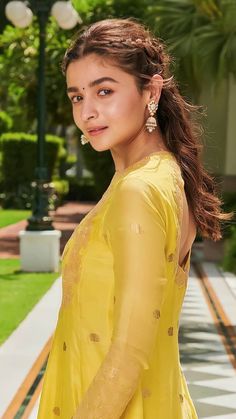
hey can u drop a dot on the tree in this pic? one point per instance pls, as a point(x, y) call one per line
point(18, 69)
point(201, 34)
point(19, 59)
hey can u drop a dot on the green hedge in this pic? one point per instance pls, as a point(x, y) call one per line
point(102, 167)
point(61, 189)
point(18, 161)
point(81, 189)
point(5, 122)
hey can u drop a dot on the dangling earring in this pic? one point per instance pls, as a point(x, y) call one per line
point(83, 139)
point(151, 122)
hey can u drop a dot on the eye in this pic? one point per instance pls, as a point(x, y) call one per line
point(104, 92)
point(76, 99)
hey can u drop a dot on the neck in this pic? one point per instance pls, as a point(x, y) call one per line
point(139, 146)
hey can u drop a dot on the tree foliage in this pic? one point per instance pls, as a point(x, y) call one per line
point(18, 69)
point(200, 35)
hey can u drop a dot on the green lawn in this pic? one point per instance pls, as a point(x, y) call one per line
point(19, 292)
point(8, 217)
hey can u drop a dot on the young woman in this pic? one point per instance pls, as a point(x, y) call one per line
point(125, 269)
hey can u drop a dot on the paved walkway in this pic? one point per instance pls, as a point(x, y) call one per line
point(207, 362)
point(207, 343)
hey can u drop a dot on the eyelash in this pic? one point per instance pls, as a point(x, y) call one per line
point(109, 91)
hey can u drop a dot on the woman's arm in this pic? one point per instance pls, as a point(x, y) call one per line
point(136, 233)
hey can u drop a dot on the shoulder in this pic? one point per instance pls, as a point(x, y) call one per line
point(158, 186)
point(138, 196)
point(133, 184)
point(136, 186)
point(161, 183)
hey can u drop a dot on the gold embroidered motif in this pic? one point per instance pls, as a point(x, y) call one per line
point(136, 228)
point(71, 264)
point(94, 337)
point(74, 250)
point(146, 392)
point(170, 257)
point(156, 314)
point(113, 372)
point(64, 346)
point(170, 331)
point(57, 411)
point(114, 299)
point(181, 280)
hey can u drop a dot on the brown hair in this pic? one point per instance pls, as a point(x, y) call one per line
point(138, 52)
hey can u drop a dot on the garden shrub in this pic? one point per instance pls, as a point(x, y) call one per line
point(61, 189)
point(5, 122)
point(82, 189)
point(18, 163)
point(102, 167)
point(66, 161)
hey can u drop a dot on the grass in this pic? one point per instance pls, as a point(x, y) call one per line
point(8, 217)
point(19, 292)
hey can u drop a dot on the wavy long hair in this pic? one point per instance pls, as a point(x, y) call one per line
point(138, 52)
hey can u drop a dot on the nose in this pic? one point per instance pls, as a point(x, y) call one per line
point(88, 110)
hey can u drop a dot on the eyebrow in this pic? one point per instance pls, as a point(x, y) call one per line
point(92, 83)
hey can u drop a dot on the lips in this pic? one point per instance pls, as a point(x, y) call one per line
point(96, 130)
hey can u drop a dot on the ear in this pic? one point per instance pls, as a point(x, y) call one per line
point(155, 87)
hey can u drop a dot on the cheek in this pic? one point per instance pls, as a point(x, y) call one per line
point(76, 115)
point(126, 107)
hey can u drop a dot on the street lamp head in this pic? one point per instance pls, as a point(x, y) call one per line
point(65, 14)
point(69, 23)
point(19, 14)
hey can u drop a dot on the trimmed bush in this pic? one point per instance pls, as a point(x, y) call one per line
point(66, 162)
point(18, 163)
point(5, 122)
point(61, 189)
point(102, 167)
point(81, 189)
point(19, 153)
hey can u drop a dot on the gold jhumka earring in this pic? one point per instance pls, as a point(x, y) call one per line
point(151, 122)
point(83, 139)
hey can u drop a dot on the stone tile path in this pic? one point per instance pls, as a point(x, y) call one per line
point(206, 364)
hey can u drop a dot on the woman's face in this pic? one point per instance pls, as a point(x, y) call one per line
point(106, 104)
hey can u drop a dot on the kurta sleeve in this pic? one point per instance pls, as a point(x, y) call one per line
point(136, 233)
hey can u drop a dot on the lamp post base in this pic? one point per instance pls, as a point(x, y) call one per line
point(40, 250)
point(43, 223)
point(40, 220)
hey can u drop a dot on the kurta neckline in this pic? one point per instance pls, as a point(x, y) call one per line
point(142, 161)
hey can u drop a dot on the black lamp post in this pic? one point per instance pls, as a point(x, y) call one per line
point(40, 219)
point(21, 15)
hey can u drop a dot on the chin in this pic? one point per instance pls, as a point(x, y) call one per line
point(100, 147)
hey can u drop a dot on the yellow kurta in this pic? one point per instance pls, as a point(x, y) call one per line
point(115, 348)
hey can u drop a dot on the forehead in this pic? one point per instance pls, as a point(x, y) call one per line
point(91, 67)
